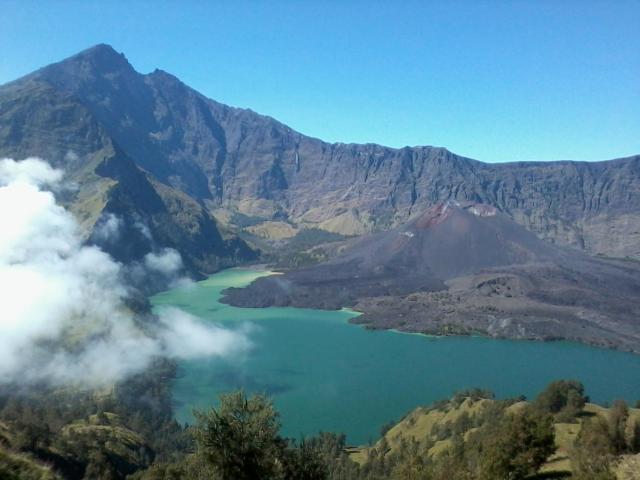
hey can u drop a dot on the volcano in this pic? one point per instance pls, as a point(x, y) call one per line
point(447, 240)
point(467, 268)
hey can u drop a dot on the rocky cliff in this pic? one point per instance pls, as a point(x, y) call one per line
point(239, 164)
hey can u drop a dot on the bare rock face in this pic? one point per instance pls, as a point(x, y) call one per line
point(236, 161)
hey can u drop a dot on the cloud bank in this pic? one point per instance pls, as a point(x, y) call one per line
point(63, 317)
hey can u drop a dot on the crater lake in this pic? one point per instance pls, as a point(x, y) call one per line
point(324, 373)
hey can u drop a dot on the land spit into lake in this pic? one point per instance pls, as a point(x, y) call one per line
point(466, 268)
point(325, 373)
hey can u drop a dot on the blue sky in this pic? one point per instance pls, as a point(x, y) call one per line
point(492, 80)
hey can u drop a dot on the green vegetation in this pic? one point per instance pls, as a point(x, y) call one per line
point(310, 237)
point(241, 220)
point(563, 398)
point(469, 439)
point(473, 436)
point(14, 466)
point(603, 439)
point(514, 447)
point(240, 441)
point(94, 435)
point(306, 248)
point(129, 433)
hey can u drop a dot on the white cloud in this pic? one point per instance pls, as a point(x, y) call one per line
point(32, 171)
point(63, 318)
point(71, 156)
point(107, 229)
point(168, 262)
point(144, 230)
point(187, 336)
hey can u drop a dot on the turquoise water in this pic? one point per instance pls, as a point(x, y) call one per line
point(326, 374)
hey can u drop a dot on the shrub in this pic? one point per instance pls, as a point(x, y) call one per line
point(563, 398)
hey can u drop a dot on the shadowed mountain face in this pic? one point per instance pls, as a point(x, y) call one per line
point(464, 268)
point(50, 114)
point(239, 164)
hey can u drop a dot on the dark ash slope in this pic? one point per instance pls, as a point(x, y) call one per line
point(465, 269)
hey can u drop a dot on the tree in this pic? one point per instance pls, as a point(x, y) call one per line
point(412, 467)
point(303, 462)
point(240, 438)
point(593, 451)
point(563, 398)
point(452, 463)
point(517, 447)
point(331, 449)
point(99, 467)
point(618, 426)
point(634, 443)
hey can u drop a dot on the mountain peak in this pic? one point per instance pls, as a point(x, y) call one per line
point(96, 61)
point(100, 48)
point(442, 211)
point(102, 57)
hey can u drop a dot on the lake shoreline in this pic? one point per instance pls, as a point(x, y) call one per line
point(375, 320)
point(325, 371)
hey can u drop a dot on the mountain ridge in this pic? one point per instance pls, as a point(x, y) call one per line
point(240, 163)
point(38, 119)
point(109, 55)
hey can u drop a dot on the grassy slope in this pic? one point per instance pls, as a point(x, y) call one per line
point(18, 466)
point(422, 424)
point(273, 230)
point(120, 442)
point(123, 446)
